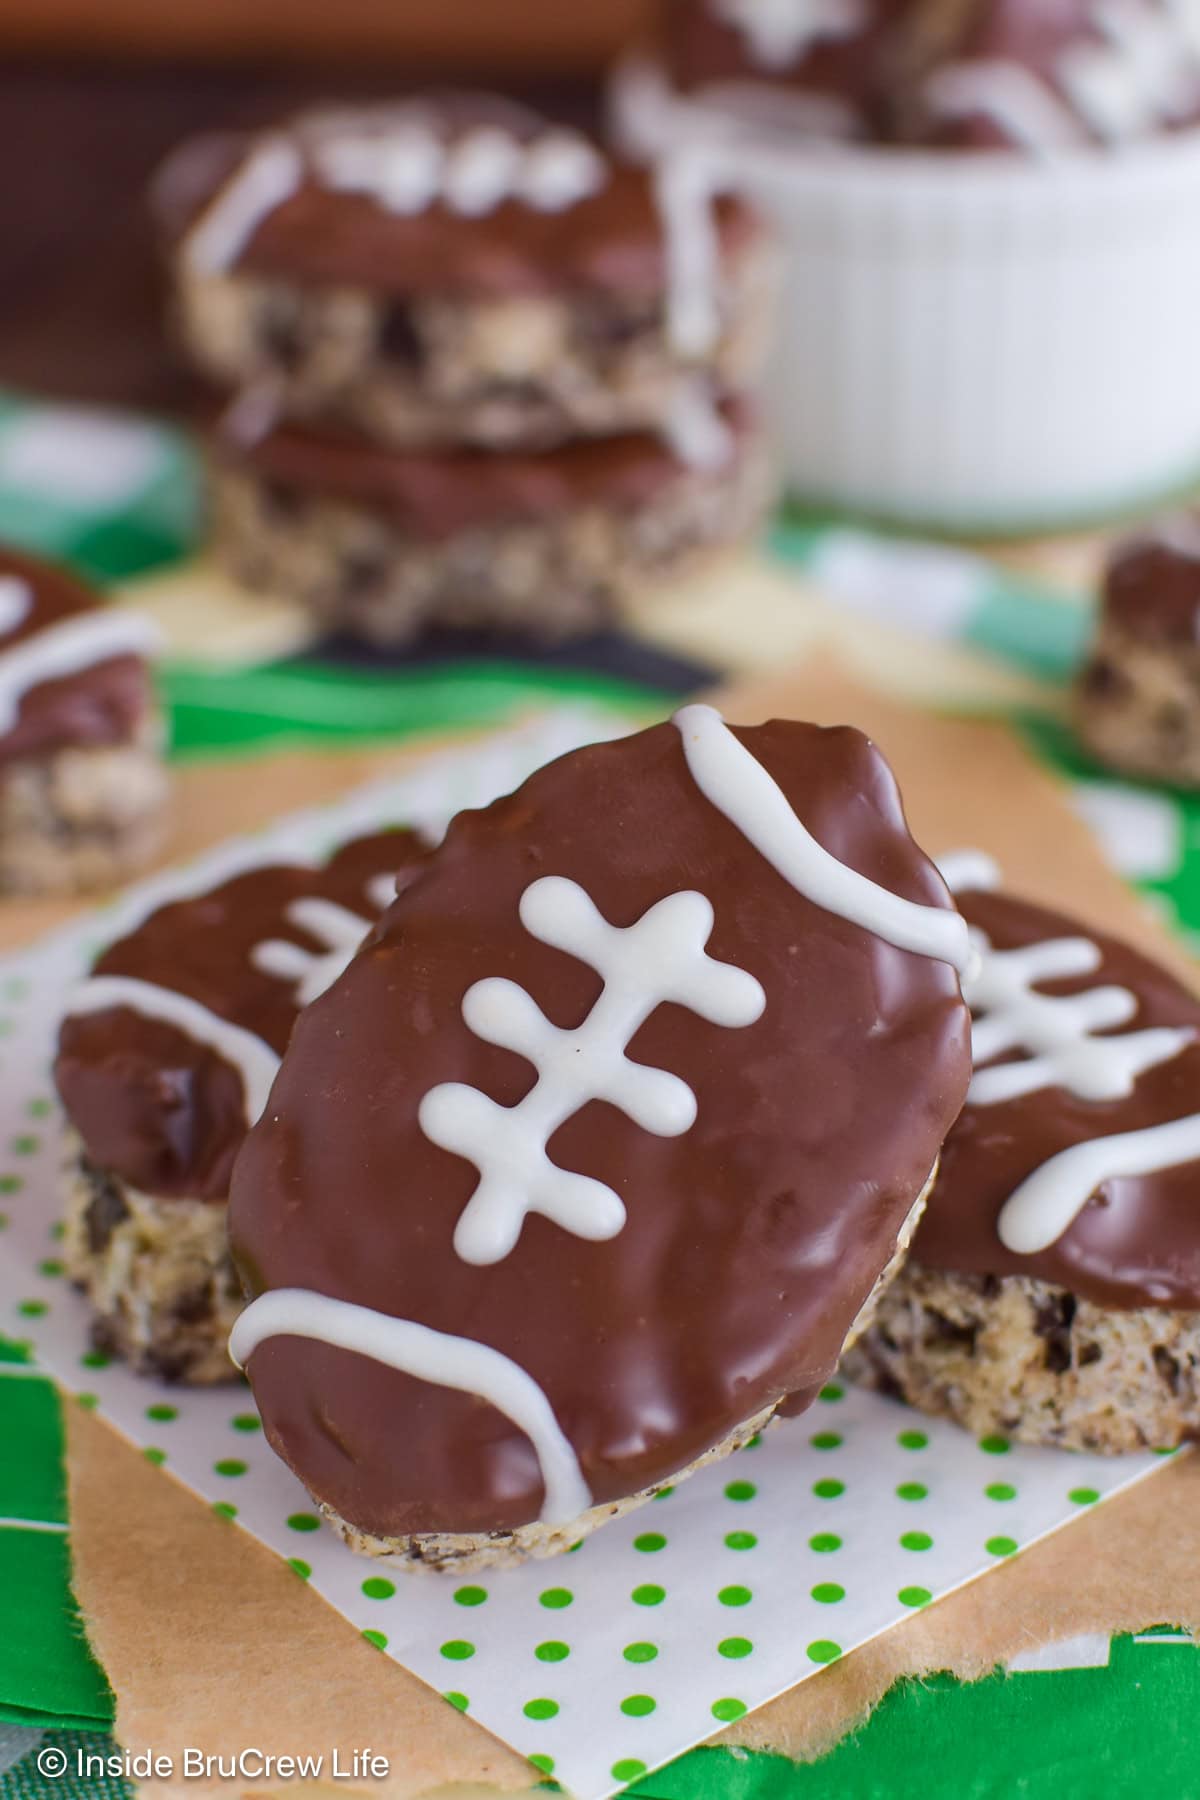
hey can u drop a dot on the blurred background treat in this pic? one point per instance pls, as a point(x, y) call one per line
point(476, 372)
point(971, 342)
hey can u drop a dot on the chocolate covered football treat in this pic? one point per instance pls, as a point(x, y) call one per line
point(83, 790)
point(600, 1150)
point(1028, 75)
point(1137, 701)
point(457, 270)
point(1053, 1289)
point(165, 1058)
point(382, 543)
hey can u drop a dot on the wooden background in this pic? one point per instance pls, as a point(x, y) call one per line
point(522, 36)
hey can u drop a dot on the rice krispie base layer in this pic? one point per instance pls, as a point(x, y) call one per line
point(157, 1272)
point(552, 577)
point(1137, 706)
point(525, 370)
point(1032, 1361)
point(82, 818)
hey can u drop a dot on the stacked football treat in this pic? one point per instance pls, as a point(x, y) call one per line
point(475, 372)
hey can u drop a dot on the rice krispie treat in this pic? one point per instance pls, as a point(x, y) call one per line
point(165, 1058)
point(1053, 1289)
point(456, 270)
point(1137, 701)
point(383, 543)
point(598, 1153)
point(83, 789)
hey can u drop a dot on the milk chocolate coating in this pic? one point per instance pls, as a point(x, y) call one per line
point(612, 240)
point(436, 494)
point(1152, 591)
point(104, 704)
point(164, 1112)
point(1137, 1242)
point(750, 1242)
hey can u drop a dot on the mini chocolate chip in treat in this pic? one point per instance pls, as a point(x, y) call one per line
point(399, 339)
point(1052, 1321)
point(1168, 1368)
point(1103, 680)
point(193, 1306)
point(952, 1331)
point(168, 1365)
point(363, 574)
point(106, 1210)
point(281, 331)
point(718, 914)
point(283, 498)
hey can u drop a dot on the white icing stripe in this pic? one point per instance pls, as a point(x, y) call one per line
point(339, 929)
point(67, 648)
point(428, 1355)
point(740, 788)
point(684, 185)
point(1016, 100)
point(16, 598)
point(255, 1061)
point(381, 891)
point(1055, 1033)
point(1141, 73)
point(695, 430)
point(270, 175)
point(969, 871)
point(661, 959)
point(780, 32)
point(1051, 1199)
point(1054, 1036)
point(406, 166)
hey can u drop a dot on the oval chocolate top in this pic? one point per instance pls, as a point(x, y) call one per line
point(1136, 1240)
point(165, 1109)
point(444, 195)
point(68, 675)
point(434, 494)
point(688, 1233)
point(1152, 584)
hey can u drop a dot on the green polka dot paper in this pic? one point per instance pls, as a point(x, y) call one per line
point(604, 1663)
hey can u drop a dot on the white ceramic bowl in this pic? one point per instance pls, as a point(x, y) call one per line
point(976, 342)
